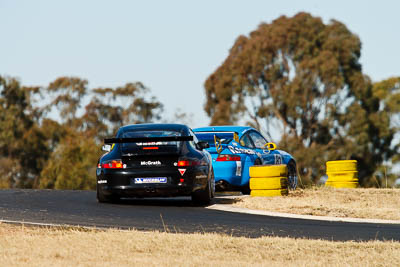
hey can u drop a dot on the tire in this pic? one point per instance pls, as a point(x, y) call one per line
point(269, 193)
point(203, 197)
point(292, 175)
point(269, 183)
point(341, 165)
point(245, 189)
point(268, 171)
point(101, 198)
point(212, 184)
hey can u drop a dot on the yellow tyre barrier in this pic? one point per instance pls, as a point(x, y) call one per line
point(262, 171)
point(342, 174)
point(269, 193)
point(268, 183)
point(334, 180)
point(341, 165)
point(268, 180)
point(346, 176)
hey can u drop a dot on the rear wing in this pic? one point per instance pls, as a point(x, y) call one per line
point(147, 139)
point(217, 138)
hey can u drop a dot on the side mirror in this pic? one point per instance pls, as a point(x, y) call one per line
point(202, 145)
point(106, 148)
point(270, 146)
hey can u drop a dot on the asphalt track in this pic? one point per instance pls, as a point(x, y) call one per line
point(173, 215)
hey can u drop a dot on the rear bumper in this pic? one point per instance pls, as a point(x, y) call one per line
point(147, 191)
point(227, 171)
point(121, 182)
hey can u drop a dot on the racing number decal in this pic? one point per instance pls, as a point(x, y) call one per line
point(278, 159)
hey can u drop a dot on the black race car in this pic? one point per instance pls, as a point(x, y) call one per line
point(155, 160)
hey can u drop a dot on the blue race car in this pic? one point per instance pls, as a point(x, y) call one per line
point(236, 148)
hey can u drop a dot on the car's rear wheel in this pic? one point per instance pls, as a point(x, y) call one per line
point(212, 183)
point(203, 197)
point(101, 198)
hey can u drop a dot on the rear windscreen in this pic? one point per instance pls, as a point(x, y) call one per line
point(145, 148)
point(225, 137)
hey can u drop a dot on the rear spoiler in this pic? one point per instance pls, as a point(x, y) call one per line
point(218, 144)
point(218, 140)
point(147, 139)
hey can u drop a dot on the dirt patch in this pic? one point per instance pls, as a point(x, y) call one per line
point(368, 203)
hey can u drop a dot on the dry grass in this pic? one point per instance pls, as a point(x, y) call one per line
point(325, 201)
point(22, 246)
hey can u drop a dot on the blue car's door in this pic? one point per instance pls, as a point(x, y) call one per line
point(267, 156)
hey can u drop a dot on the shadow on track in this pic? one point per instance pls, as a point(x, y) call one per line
point(175, 202)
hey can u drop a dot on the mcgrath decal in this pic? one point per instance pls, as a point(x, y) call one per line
point(238, 150)
point(150, 163)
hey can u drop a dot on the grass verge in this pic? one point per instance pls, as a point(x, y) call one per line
point(30, 246)
point(369, 203)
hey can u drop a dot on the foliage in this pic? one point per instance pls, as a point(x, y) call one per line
point(22, 144)
point(72, 165)
point(38, 151)
point(303, 78)
point(104, 116)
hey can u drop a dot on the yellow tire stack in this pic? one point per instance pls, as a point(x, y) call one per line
point(268, 181)
point(342, 174)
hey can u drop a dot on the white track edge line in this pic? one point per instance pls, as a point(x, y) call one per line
point(230, 208)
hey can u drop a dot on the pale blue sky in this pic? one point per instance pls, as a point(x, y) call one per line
point(171, 46)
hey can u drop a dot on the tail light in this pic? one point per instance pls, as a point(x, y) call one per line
point(226, 157)
point(113, 164)
point(183, 163)
point(187, 163)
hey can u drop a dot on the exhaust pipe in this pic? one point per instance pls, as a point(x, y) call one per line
point(150, 190)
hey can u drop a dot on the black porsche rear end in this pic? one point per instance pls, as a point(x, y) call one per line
point(153, 160)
